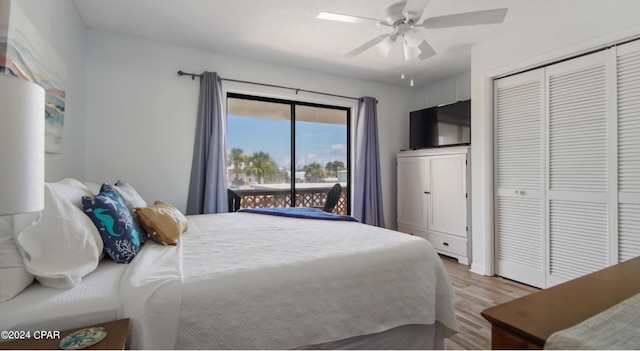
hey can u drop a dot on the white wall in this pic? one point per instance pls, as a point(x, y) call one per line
point(592, 25)
point(59, 23)
point(141, 114)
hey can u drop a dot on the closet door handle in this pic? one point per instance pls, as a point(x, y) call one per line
point(427, 192)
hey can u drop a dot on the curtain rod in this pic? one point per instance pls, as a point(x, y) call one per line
point(297, 90)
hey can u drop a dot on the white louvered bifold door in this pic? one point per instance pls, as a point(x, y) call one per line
point(628, 69)
point(577, 165)
point(519, 177)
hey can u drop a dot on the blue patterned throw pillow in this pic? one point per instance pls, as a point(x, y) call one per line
point(120, 234)
point(108, 187)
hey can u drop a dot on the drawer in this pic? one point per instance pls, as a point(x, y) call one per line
point(405, 228)
point(449, 243)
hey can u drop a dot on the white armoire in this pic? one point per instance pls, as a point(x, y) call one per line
point(567, 167)
point(433, 199)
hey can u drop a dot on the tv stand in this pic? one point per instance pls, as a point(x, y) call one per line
point(434, 198)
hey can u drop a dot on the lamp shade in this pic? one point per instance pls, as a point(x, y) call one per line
point(21, 146)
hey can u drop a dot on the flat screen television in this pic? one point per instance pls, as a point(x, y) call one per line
point(444, 125)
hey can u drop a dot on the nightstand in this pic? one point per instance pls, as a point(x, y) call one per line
point(115, 340)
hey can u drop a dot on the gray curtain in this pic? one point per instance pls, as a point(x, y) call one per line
point(367, 191)
point(208, 185)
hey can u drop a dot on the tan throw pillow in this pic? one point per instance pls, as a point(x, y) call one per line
point(163, 222)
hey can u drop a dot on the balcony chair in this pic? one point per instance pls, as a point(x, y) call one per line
point(333, 195)
point(234, 200)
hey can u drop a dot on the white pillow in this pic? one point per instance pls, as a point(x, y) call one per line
point(65, 245)
point(93, 187)
point(130, 196)
point(14, 276)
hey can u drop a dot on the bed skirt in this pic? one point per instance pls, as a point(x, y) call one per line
point(406, 337)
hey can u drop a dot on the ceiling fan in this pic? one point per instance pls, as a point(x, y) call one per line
point(404, 18)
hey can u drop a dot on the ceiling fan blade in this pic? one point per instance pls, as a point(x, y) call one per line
point(384, 47)
point(350, 19)
point(466, 19)
point(413, 9)
point(366, 45)
point(414, 36)
point(426, 50)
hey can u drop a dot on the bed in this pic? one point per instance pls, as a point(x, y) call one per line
point(256, 281)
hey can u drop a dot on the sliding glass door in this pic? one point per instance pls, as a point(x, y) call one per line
point(284, 153)
point(321, 154)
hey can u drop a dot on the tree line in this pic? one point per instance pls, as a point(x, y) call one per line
point(266, 170)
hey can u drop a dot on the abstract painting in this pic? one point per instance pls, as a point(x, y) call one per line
point(5, 5)
point(26, 54)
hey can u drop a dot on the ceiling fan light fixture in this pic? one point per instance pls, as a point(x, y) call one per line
point(414, 36)
point(385, 45)
point(410, 52)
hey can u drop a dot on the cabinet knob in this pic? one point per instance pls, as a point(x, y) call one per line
point(445, 243)
point(427, 192)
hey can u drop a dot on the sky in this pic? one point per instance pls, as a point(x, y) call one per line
point(316, 142)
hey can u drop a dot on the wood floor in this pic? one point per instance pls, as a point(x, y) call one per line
point(475, 293)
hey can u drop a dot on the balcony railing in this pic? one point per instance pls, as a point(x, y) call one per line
point(265, 197)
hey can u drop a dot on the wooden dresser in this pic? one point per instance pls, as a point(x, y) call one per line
point(528, 322)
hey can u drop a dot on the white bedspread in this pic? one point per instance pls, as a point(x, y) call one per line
point(251, 281)
point(150, 296)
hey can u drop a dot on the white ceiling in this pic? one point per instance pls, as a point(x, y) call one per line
point(287, 31)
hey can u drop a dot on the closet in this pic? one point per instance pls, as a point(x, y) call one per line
point(567, 167)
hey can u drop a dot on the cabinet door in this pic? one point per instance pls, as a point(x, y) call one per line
point(446, 200)
point(411, 191)
point(578, 169)
point(628, 66)
point(519, 178)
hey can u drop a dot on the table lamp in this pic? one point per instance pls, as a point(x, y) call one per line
point(21, 146)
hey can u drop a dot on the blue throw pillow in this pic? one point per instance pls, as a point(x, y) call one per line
point(143, 233)
point(120, 234)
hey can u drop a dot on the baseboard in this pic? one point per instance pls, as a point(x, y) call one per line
point(476, 268)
